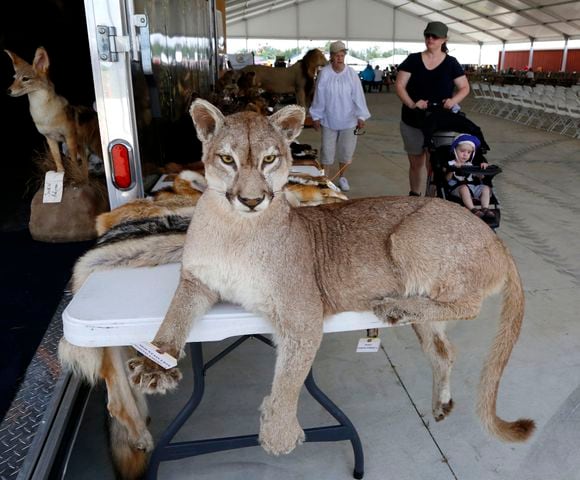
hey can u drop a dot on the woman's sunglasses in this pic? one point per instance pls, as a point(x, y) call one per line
point(430, 35)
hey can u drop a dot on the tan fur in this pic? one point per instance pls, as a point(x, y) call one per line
point(310, 195)
point(398, 257)
point(297, 79)
point(53, 116)
point(187, 184)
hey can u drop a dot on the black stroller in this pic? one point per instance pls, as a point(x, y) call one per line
point(440, 128)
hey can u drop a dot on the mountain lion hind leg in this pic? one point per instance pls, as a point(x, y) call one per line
point(441, 354)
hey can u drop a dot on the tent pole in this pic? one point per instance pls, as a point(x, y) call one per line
point(565, 55)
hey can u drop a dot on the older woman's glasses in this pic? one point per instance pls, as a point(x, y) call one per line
point(359, 131)
point(430, 35)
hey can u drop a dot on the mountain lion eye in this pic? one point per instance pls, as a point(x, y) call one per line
point(25, 79)
point(269, 159)
point(227, 159)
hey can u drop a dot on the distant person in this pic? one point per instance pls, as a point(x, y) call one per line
point(387, 78)
point(340, 108)
point(378, 79)
point(424, 80)
point(368, 77)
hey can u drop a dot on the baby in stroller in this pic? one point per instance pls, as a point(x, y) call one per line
point(460, 172)
point(465, 185)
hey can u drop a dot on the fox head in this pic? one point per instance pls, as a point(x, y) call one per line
point(247, 155)
point(29, 78)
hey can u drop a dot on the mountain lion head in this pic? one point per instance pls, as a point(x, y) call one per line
point(247, 155)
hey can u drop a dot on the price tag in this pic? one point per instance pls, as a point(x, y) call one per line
point(150, 351)
point(53, 182)
point(368, 345)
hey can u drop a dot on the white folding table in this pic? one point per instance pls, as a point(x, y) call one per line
point(126, 306)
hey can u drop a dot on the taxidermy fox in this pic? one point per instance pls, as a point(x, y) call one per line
point(53, 116)
point(395, 256)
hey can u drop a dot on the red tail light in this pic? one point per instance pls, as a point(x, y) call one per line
point(121, 157)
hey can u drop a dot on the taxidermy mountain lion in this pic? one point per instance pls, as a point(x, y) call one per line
point(396, 256)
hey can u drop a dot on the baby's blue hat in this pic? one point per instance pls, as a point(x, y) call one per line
point(466, 138)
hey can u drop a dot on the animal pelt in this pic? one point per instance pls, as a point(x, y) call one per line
point(305, 179)
point(188, 184)
point(179, 199)
point(310, 195)
point(137, 243)
point(145, 208)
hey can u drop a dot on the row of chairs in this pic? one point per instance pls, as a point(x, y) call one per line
point(547, 107)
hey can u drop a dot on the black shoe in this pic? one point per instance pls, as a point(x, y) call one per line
point(414, 194)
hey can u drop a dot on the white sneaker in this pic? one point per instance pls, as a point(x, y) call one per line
point(343, 184)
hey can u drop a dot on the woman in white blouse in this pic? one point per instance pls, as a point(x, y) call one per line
point(340, 108)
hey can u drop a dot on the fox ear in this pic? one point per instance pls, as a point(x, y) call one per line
point(41, 62)
point(289, 120)
point(206, 118)
point(16, 60)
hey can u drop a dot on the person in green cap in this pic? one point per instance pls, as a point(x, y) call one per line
point(424, 80)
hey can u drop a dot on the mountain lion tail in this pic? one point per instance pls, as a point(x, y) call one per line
point(129, 463)
point(512, 315)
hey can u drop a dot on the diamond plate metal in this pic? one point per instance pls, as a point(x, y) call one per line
point(25, 425)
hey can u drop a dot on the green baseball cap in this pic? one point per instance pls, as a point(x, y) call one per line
point(436, 28)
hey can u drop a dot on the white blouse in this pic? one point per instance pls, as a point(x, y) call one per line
point(339, 99)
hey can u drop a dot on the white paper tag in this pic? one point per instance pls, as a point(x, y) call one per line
point(368, 344)
point(150, 351)
point(53, 182)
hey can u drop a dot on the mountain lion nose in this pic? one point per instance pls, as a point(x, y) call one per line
point(251, 202)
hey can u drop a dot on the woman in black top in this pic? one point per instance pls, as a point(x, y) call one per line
point(423, 80)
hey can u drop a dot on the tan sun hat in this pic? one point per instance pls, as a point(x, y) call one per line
point(338, 46)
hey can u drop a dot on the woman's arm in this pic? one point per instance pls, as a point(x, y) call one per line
point(401, 89)
point(461, 91)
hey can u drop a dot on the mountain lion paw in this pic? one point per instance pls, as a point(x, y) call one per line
point(279, 434)
point(143, 442)
point(442, 410)
point(392, 313)
point(150, 377)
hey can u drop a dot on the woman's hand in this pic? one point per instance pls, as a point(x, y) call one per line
point(448, 103)
point(422, 104)
point(316, 125)
point(360, 124)
point(484, 165)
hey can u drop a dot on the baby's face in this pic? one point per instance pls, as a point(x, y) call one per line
point(464, 152)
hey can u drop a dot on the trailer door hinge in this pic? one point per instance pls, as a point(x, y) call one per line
point(137, 43)
point(141, 24)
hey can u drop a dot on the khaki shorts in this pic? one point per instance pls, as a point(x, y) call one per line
point(337, 145)
point(413, 139)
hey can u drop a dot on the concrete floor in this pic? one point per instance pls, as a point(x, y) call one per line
point(387, 394)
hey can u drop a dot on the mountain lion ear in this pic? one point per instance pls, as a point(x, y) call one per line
point(206, 118)
point(289, 120)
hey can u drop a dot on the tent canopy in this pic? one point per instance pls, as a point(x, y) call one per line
point(469, 21)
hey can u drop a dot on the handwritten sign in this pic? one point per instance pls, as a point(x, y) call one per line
point(368, 345)
point(53, 184)
point(152, 353)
